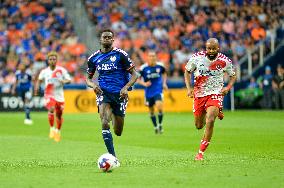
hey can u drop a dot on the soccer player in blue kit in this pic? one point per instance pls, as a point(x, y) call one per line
point(116, 75)
point(154, 79)
point(23, 86)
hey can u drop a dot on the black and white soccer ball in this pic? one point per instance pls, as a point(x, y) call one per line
point(107, 162)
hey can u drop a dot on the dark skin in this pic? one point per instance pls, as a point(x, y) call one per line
point(105, 110)
point(208, 118)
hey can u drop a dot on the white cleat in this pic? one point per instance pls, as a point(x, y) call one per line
point(28, 122)
point(117, 163)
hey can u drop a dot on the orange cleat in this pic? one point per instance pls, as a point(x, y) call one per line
point(199, 157)
point(57, 137)
point(51, 134)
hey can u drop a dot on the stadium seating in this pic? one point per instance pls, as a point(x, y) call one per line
point(29, 30)
point(178, 28)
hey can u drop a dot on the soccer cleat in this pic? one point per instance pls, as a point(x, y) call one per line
point(220, 115)
point(156, 129)
point(51, 133)
point(161, 130)
point(28, 122)
point(116, 163)
point(57, 137)
point(199, 157)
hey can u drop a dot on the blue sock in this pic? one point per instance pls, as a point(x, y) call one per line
point(160, 117)
point(108, 141)
point(154, 121)
point(27, 111)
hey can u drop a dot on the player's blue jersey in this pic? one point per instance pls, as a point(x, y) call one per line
point(113, 68)
point(154, 75)
point(24, 80)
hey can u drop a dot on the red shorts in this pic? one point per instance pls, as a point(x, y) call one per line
point(52, 103)
point(202, 103)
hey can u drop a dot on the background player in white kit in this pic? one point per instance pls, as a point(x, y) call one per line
point(54, 78)
point(208, 67)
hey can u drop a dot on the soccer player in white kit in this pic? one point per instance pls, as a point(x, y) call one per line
point(208, 91)
point(54, 78)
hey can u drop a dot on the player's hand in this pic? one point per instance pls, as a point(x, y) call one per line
point(165, 87)
point(124, 92)
point(148, 84)
point(224, 91)
point(13, 92)
point(98, 90)
point(190, 92)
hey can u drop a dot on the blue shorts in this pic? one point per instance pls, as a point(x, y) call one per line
point(25, 94)
point(117, 104)
point(152, 100)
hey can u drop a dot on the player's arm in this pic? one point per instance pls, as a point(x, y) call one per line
point(232, 81)
point(133, 79)
point(189, 68)
point(141, 81)
point(13, 90)
point(66, 78)
point(37, 84)
point(164, 77)
point(231, 72)
point(89, 78)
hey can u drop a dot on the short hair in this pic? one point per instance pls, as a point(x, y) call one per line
point(52, 53)
point(105, 30)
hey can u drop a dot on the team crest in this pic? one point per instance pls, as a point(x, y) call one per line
point(112, 58)
point(158, 70)
point(58, 74)
point(218, 67)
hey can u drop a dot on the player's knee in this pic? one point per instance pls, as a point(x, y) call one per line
point(198, 125)
point(117, 132)
point(210, 120)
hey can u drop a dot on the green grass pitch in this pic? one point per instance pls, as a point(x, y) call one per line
point(247, 150)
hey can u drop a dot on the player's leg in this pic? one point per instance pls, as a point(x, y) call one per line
point(199, 112)
point(105, 111)
point(59, 107)
point(214, 103)
point(26, 99)
point(150, 103)
point(159, 105)
point(199, 120)
point(118, 123)
point(50, 106)
point(153, 118)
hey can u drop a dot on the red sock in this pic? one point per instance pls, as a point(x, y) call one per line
point(59, 123)
point(203, 145)
point(59, 119)
point(51, 119)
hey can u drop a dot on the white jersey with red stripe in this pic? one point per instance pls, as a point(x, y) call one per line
point(52, 78)
point(209, 75)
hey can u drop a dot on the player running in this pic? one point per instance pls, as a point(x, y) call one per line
point(23, 86)
point(208, 91)
point(114, 68)
point(54, 78)
point(154, 79)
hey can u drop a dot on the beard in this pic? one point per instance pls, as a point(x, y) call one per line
point(211, 56)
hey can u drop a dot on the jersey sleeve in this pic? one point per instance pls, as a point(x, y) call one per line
point(230, 68)
point(191, 65)
point(91, 69)
point(41, 75)
point(126, 61)
point(66, 75)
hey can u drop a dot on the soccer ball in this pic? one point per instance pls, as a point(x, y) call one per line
point(107, 162)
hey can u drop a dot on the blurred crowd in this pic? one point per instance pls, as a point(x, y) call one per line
point(178, 28)
point(271, 84)
point(29, 30)
point(174, 28)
